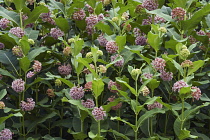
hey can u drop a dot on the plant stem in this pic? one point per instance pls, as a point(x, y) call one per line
point(182, 121)
point(136, 122)
point(99, 128)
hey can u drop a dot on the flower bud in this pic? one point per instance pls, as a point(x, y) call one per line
point(135, 72)
point(67, 51)
point(2, 105)
point(71, 40)
point(17, 50)
point(184, 53)
point(102, 69)
point(99, 52)
point(145, 91)
point(31, 41)
point(106, 2)
point(42, 3)
point(50, 93)
point(125, 16)
point(115, 19)
point(187, 63)
point(89, 55)
point(58, 82)
point(162, 29)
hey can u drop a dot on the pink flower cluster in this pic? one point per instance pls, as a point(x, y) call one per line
point(27, 106)
point(111, 83)
point(37, 66)
point(90, 9)
point(154, 105)
point(89, 103)
point(17, 31)
point(98, 113)
point(159, 19)
point(77, 93)
point(178, 85)
point(1, 46)
point(91, 22)
point(46, 18)
point(17, 50)
point(166, 76)
point(102, 40)
point(79, 15)
point(65, 69)
point(150, 4)
point(30, 74)
point(159, 64)
point(5, 134)
point(178, 13)
point(88, 86)
point(56, 33)
point(118, 63)
point(18, 85)
point(196, 93)
point(116, 107)
point(87, 71)
point(141, 40)
point(4, 23)
point(111, 47)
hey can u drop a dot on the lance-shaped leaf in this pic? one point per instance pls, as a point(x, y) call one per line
point(196, 65)
point(67, 82)
point(13, 16)
point(63, 24)
point(58, 5)
point(3, 92)
point(98, 87)
point(84, 62)
point(6, 73)
point(34, 53)
point(24, 63)
point(154, 40)
point(125, 83)
point(121, 40)
point(19, 4)
point(122, 120)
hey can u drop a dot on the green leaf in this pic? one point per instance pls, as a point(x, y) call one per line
point(98, 87)
point(19, 4)
point(108, 107)
point(58, 5)
point(24, 63)
point(6, 73)
point(116, 133)
point(122, 120)
point(153, 84)
point(84, 62)
point(125, 83)
point(160, 13)
point(25, 46)
point(196, 65)
point(63, 24)
point(149, 114)
point(67, 82)
point(104, 28)
point(180, 3)
point(3, 92)
point(113, 62)
point(8, 41)
point(2, 119)
point(196, 18)
point(34, 15)
point(34, 53)
point(77, 47)
point(154, 40)
point(11, 15)
point(121, 40)
point(32, 34)
point(78, 135)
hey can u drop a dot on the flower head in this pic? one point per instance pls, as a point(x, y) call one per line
point(18, 85)
point(17, 50)
point(166, 76)
point(178, 85)
point(2, 105)
point(150, 4)
point(77, 93)
point(88, 86)
point(102, 40)
point(196, 93)
point(27, 106)
point(111, 47)
point(119, 63)
point(67, 51)
point(4, 23)
point(89, 103)
point(50, 93)
point(30, 74)
point(17, 31)
point(65, 69)
point(154, 105)
point(178, 13)
point(79, 15)
point(145, 91)
point(111, 84)
point(187, 63)
point(87, 71)
point(5, 134)
point(37, 66)
point(91, 21)
point(158, 64)
point(1, 46)
point(56, 33)
point(98, 113)
point(141, 40)
point(46, 17)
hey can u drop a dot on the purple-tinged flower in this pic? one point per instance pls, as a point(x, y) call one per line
point(187, 63)
point(154, 105)
point(201, 33)
point(17, 31)
point(87, 71)
point(24, 17)
point(65, 69)
point(27, 106)
point(140, 10)
point(111, 47)
point(17, 50)
point(5, 134)
point(166, 76)
point(102, 40)
point(1, 76)
point(136, 32)
point(56, 33)
point(37, 66)
point(196, 93)
point(98, 113)
point(50, 93)
point(192, 40)
point(147, 21)
point(178, 85)
point(2, 105)
point(79, 15)
point(141, 40)
point(159, 19)
point(30, 25)
point(150, 4)
point(18, 85)
point(77, 93)
point(119, 63)
point(159, 64)
point(145, 91)
point(1, 46)
point(146, 76)
point(30, 74)
point(91, 21)
point(111, 84)
point(90, 9)
point(88, 86)
point(89, 103)
point(178, 13)
point(4, 23)
point(46, 18)
point(100, 17)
